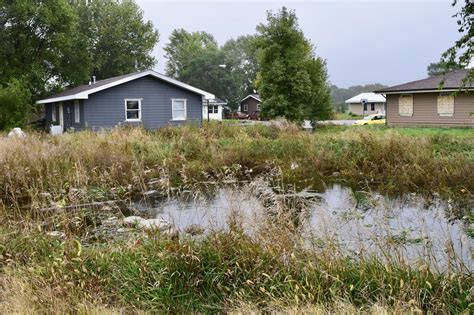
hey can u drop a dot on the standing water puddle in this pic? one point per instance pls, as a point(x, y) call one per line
point(385, 227)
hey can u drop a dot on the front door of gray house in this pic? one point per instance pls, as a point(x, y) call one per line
point(68, 115)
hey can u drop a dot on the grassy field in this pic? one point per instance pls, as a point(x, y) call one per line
point(227, 270)
point(425, 132)
point(347, 116)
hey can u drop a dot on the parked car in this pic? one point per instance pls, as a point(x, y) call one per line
point(377, 119)
point(236, 115)
point(254, 115)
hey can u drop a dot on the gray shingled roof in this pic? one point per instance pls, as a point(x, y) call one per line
point(83, 91)
point(86, 87)
point(451, 80)
point(255, 96)
point(218, 101)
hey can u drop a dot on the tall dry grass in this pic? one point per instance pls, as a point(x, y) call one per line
point(76, 168)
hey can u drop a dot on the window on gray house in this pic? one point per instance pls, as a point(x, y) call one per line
point(133, 109)
point(178, 109)
point(77, 113)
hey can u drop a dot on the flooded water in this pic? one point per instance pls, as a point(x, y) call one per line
point(402, 228)
point(215, 213)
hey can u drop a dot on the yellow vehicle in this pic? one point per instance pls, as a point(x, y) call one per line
point(377, 119)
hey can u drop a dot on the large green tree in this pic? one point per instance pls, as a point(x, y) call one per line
point(240, 58)
point(37, 44)
point(118, 39)
point(38, 41)
point(15, 101)
point(438, 68)
point(319, 106)
point(184, 48)
point(196, 58)
point(462, 52)
point(291, 80)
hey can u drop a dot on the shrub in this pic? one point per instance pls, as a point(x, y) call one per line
point(15, 103)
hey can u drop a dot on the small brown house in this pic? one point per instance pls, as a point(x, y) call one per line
point(425, 103)
point(250, 104)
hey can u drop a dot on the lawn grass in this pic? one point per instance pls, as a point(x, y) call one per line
point(427, 131)
point(347, 116)
point(230, 120)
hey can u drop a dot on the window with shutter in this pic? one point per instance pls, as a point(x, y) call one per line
point(405, 105)
point(445, 104)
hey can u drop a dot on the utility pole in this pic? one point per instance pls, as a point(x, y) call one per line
point(208, 119)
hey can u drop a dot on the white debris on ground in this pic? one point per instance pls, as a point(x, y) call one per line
point(132, 220)
point(158, 224)
point(154, 224)
point(16, 133)
point(56, 234)
point(55, 130)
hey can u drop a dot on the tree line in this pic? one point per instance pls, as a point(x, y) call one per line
point(228, 71)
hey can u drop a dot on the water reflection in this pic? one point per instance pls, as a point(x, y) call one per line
point(405, 228)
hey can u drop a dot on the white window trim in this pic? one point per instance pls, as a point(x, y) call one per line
point(185, 109)
point(246, 108)
point(77, 112)
point(258, 107)
point(139, 100)
point(213, 109)
point(210, 109)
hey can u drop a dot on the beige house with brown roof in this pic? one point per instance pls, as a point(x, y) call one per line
point(425, 103)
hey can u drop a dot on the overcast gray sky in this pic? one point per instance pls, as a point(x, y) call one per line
point(363, 42)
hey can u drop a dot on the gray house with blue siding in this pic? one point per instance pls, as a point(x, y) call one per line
point(147, 99)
